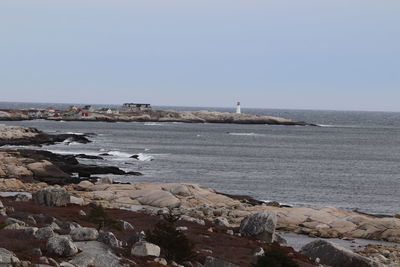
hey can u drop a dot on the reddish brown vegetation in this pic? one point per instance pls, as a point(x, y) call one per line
point(238, 250)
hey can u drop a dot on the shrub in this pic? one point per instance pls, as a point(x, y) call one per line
point(174, 245)
point(99, 216)
point(275, 257)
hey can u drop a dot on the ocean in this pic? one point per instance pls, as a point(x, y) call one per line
point(351, 161)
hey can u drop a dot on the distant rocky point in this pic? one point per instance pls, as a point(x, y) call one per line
point(148, 115)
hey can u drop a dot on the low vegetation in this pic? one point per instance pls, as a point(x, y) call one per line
point(99, 216)
point(275, 257)
point(174, 244)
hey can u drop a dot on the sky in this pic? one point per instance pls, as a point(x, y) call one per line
point(289, 54)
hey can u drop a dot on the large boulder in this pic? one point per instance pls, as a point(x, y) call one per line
point(44, 233)
point(61, 246)
point(158, 198)
point(7, 258)
point(214, 262)
point(46, 169)
point(51, 197)
point(260, 225)
point(143, 249)
point(95, 253)
point(108, 238)
point(334, 255)
point(84, 234)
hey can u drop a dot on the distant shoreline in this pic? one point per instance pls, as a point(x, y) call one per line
point(147, 116)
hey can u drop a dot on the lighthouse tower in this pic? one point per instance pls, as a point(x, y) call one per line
point(238, 108)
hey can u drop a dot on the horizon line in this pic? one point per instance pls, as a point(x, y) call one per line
point(225, 107)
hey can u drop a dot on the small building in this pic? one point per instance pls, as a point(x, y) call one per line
point(50, 112)
point(88, 108)
point(135, 107)
point(108, 111)
point(35, 113)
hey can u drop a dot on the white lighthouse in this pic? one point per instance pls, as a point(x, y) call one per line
point(238, 108)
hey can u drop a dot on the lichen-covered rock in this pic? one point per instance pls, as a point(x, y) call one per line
point(8, 258)
point(84, 234)
point(44, 233)
point(108, 238)
point(61, 246)
point(260, 225)
point(144, 249)
point(95, 253)
point(334, 255)
point(51, 197)
point(221, 221)
point(126, 226)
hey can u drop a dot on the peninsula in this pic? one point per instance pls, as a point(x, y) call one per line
point(142, 113)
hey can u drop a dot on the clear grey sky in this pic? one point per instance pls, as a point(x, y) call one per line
point(310, 54)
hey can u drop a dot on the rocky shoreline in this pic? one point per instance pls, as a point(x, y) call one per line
point(240, 231)
point(162, 116)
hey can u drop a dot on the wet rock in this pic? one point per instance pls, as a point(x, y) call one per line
point(51, 197)
point(105, 180)
point(61, 246)
point(144, 249)
point(84, 234)
point(84, 156)
point(334, 255)
point(259, 225)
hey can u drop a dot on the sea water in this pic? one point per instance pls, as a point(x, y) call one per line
point(351, 161)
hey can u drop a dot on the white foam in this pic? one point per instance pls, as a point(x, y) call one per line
point(145, 157)
point(153, 124)
point(325, 125)
point(119, 154)
point(75, 133)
